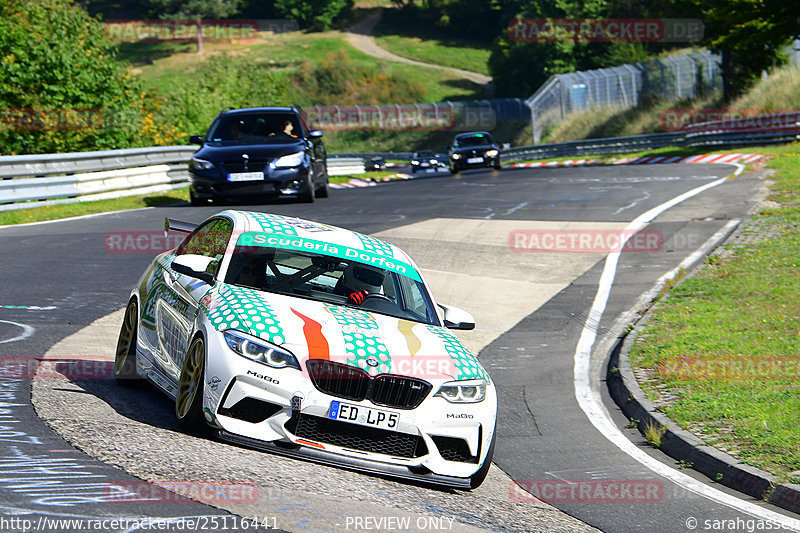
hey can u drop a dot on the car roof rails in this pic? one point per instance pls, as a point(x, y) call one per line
point(229, 108)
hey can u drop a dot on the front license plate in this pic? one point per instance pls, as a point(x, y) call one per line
point(363, 416)
point(475, 160)
point(246, 176)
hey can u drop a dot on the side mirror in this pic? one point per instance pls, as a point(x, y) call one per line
point(196, 266)
point(457, 318)
point(196, 139)
point(315, 134)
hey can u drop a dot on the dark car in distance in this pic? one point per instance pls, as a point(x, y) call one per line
point(375, 163)
point(424, 161)
point(259, 152)
point(475, 149)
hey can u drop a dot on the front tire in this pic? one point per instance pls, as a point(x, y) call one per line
point(125, 357)
point(308, 194)
point(453, 170)
point(324, 191)
point(189, 397)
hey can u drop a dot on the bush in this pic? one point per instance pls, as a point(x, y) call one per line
point(62, 89)
point(222, 81)
point(339, 80)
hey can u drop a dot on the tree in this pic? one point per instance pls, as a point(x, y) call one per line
point(196, 10)
point(750, 34)
point(313, 13)
point(61, 88)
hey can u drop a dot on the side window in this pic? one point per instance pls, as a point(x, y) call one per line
point(210, 239)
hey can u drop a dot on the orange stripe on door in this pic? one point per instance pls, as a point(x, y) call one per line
point(317, 343)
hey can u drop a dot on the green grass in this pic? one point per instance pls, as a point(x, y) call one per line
point(371, 175)
point(38, 214)
point(447, 53)
point(421, 40)
point(161, 65)
point(725, 342)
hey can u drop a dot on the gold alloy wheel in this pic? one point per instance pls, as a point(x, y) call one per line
point(125, 357)
point(190, 382)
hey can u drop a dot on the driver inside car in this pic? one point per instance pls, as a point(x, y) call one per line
point(249, 270)
point(358, 281)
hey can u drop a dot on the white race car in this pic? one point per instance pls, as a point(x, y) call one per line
point(312, 341)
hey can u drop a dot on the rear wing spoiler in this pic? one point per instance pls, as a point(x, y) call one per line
point(177, 225)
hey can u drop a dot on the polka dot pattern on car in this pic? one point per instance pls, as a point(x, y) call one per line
point(273, 224)
point(361, 347)
point(467, 364)
point(245, 310)
point(371, 244)
point(347, 316)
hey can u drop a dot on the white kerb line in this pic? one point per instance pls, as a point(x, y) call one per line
point(590, 400)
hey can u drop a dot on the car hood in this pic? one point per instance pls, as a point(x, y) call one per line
point(311, 329)
point(267, 150)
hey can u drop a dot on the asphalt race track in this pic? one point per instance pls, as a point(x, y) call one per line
point(532, 308)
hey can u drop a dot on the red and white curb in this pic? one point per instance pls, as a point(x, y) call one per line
point(708, 158)
point(357, 182)
point(567, 163)
point(649, 160)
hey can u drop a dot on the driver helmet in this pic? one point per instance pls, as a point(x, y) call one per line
point(360, 278)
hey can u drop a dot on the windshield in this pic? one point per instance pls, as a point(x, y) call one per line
point(330, 279)
point(475, 140)
point(421, 155)
point(256, 127)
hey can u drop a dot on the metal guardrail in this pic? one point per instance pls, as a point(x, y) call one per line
point(739, 132)
point(343, 166)
point(49, 179)
point(34, 180)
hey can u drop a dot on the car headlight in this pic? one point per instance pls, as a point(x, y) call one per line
point(456, 156)
point(415, 162)
point(492, 153)
point(258, 350)
point(468, 391)
point(291, 160)
point(432, 161)
point(202, 164)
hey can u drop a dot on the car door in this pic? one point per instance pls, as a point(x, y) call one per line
point(177, 306)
